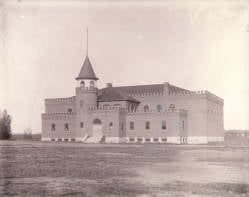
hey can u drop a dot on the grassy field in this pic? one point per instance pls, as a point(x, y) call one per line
point(73, 169)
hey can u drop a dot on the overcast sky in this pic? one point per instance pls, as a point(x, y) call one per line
point(198, 45)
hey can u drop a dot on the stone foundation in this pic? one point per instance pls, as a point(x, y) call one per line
point(203, 139)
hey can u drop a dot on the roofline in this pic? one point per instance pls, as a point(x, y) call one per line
point(137, 85)
point(121, 100)
point(94, 78)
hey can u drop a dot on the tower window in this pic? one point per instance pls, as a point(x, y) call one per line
point(110, 126)
point(81, 125)
point(81, 103)
point(147, 125)
point(146, 108)
point(66, 127)
point(131, 125)
point(91, 83)
point(53, 127)
point(164, 125)
point(82, 84)
point(132, 107)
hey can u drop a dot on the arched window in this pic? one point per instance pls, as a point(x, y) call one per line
point(146, 108)
point(91, 83)
point(159, 108)
point(69, 110)
point(66, 127)
point(132, 107)
point(53, 127)
point(110, 126)
point(82, 84)
point(97, 121)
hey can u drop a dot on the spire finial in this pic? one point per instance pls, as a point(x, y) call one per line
point(86, 42)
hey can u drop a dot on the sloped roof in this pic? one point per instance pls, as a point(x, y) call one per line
point(112, 94)
point(158, 88)
point(87, 71)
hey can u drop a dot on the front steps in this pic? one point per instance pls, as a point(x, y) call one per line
point(95, 140)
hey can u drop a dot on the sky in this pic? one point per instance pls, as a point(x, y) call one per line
point(197, 45)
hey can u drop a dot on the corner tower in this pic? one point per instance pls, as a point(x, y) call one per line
point(86, 97)
point(86, 90)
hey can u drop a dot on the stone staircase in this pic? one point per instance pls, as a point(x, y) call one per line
point(95, 140)
point(85, 138)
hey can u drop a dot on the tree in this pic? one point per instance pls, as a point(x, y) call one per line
point(27, 133)
point(5, 125)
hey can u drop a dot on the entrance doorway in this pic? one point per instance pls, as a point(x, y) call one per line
point(97, 128)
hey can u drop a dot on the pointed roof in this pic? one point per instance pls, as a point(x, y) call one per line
point(87, 71)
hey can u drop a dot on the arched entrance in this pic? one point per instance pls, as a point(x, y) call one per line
point(97, 128)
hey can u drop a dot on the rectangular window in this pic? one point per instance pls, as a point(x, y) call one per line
point(164, 125)
point(147, 139)
point(66, 127)
point(155, 139)
point(81, 125)
point(139, 139)
point(110, 126)
point(132, 140)
point(122, 126)
point(183, 125)
point(131, 125)
point(81, 103)
point(147, 125)
point(53, 127)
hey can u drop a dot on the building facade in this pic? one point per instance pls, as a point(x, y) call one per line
point(158, 113)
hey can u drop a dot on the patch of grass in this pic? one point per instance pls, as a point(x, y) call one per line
point(213, 189)
point(74, 169)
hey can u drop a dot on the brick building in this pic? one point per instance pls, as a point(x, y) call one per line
point(158, 113)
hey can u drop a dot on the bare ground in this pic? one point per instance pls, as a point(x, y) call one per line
point(74, 169)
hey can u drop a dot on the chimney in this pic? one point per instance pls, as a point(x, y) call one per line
point(109, 85)
point(166, 88)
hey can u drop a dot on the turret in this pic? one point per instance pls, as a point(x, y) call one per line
point(86, 90)
point(87, 77)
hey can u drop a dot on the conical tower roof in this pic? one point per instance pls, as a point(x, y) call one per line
point(87, 71)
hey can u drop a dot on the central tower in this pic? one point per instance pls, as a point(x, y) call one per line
point(86, 96)
point(86, 90)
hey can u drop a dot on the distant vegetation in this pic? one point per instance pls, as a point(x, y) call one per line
point(26, 137)
point(27, 133)
point(5, 125)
